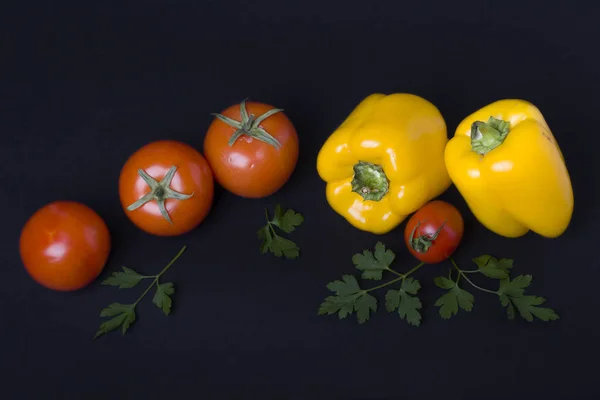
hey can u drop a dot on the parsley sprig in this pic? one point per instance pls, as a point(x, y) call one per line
point(124, 314)
point(351, 298)
point(286, 221)
point(511, 292)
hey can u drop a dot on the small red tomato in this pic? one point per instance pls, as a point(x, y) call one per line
point(252, 149)
point(434, 232)
point(64, 245)
point(166, 188)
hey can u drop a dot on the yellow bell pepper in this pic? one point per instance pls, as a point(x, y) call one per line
point(507, 165)
point(385, 161)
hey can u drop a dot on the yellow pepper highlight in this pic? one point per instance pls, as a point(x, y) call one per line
point(385, 161)
point(509, 168)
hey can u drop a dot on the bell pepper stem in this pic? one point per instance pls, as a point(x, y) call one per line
point(370, 181)
point(486, 136)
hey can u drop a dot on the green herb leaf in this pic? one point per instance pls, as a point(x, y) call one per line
point(363, 307)
point(348, 285)
point(124, 280)
point(342, 305)
point(456, 297)
point(528, 308)
point(512, 296)
point(444, 282)
point(124, 316)
point(284, 247)
point(161, 297)
point(510, 309)
point(349, 298)
point(373, 265)
point(347, 292)
point(410, 285)
point(408, 306)
point(392, 300)
point(409, 309)
point(494, 268)
point(287, 221)
point(264, 234)
point(516, 287)
point(270, 241)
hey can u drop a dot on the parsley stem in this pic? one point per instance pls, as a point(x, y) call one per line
point(155, 281)
point(395, 272)
point(414, 269)
point(272, 229)
point(384, 284)
point(400, 277)
point(462, 273)
point(171, 262)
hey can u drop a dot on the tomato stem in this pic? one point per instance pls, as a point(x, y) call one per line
point(422, 243)
point(250, 126)
point(159, 191)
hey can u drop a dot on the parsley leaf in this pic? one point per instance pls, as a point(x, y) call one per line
point(342, 305)
point(161, 298)
point(512, 296)
point(516, 287)
point(348, 285)
point(455, 297)
point(284, 247)
point(373, 265)
point(363, 307)
point(124, 280)
point(408, 306)
point(494, 268)
point(124, 314)
point(270, 241)
point(527, 306)
point(349, 298)
point(347, 292)
point(287, 221)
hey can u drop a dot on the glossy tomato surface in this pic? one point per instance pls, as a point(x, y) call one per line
point(250, 167)
point(64, 245)
point(435, 216)
point(192, 176)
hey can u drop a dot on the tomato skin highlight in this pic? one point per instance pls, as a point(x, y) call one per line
point(64, 246)
point(192, 176)
point(252, 168)
point(428, 220)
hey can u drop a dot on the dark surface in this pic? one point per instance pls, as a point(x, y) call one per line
point(85, 84)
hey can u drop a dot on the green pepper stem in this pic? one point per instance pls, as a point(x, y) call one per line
point(486, 136)
point(370, 181)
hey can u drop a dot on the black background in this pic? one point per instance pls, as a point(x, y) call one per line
point(85, 84)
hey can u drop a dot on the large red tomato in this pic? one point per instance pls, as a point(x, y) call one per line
point(252, 149)
point(434, 232)
point(64, 245)
point(166, 188)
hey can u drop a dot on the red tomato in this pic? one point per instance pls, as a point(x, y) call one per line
point(252, 149)
point(64, 245)
point(166, 188)
point(434, 232)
